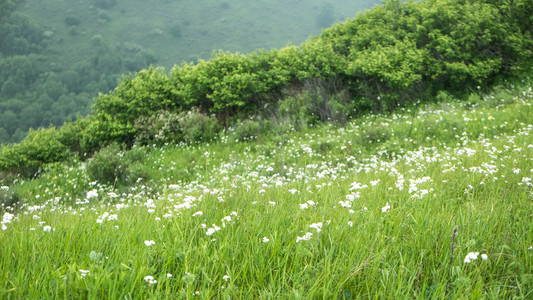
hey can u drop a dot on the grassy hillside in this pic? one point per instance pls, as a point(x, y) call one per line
point(432, 201)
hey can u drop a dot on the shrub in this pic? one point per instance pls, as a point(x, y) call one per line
point(167, 127)
point(293, 111)
point(158, 129)
point(198, 127)
point(106, 166)
point(246, 131)
point(251, 129)
point(40, 147)
point(111, 165)
point(319, 100)
point(71, 134)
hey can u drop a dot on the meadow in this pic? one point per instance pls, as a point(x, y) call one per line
point(429, 201)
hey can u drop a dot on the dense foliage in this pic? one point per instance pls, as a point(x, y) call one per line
point(55, 57)
point(393, 55)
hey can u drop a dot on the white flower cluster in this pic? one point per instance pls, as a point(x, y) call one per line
point(473, 256)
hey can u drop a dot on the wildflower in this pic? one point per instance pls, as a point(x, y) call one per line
point(303, 206)
point(149, 243)
point(265, 240)
point(83, 273)
point(210, 231)
point(198, 213)
point(169, 275)
point(92, 194)
point(385, 208)
point(306, 237)
point(311, 203)
point(350, 223)
point(345, 203)
point(470, 257)
point(150, 280)
point(226, 277)
point(47, 228)
point(317, 226)
point(484, 256)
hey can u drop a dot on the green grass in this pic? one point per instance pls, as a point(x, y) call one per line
point(436, 167)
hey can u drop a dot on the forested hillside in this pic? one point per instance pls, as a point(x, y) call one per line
point(55, 56)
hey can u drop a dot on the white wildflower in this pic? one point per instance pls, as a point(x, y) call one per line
point(317, 226)
point(92, 194)
point(83, 273)
point(150, 280)
point(306, 237)
point(470, 257)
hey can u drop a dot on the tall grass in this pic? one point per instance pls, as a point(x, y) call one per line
point(361, 211)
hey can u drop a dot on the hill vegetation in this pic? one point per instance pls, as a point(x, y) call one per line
point(433, 201)
point(391, 56)
point(389, 157)
point(56, 56)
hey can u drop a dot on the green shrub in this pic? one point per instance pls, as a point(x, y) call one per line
point(318, 101)
point(40, 147)
point(158, 129)
point(112, 165)
point(106, 166)
point(294, 112)
point(248, 130)
point(198, 127)
point(172, 128)
point(71, 135)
